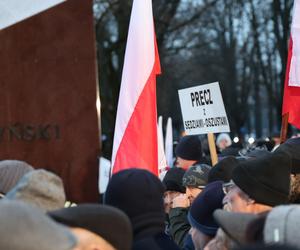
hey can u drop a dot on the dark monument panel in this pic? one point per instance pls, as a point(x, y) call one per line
point(48, 83)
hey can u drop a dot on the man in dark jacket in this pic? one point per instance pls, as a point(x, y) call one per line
point(194, 179)
point(139, 194)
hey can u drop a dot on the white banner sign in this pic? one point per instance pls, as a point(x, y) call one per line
point(203, 109)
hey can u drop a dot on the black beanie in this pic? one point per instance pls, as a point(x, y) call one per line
point(201, 212)
point(108, 222)
point(189, 148)
point(292, 147)
point(139, 194)
point(173, 180)
point(266, 179)
point(222, 171)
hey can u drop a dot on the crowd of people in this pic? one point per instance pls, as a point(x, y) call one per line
point(248, 200)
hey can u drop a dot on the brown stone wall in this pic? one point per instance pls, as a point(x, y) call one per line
point(48, 95)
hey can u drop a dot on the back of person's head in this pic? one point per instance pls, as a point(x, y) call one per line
point(173, 180)
point(11, 171)
point(110, 223)
point(189, 148)
point(40, 188)
point(23, 227)
point(139, 194)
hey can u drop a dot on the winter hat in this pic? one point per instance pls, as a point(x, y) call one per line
point(40, 188)
point(11, 171)
point(223, 136)
point(234, 224)
point(266, 180)
point(282, 226)
point(196, 176)
point(189, 148)
point(292, 147)
point(253, 153)
point(108, 222)
point(200, 215)
point(23, 227)
point(222, 171)
point(139, 194)
point(173, 180)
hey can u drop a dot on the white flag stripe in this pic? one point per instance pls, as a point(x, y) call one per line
point(294, 75)
point(162, 163)
point(169, 143)
point(138, 64)
point(14, 11)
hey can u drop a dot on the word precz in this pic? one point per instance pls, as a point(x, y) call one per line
point(200, 98)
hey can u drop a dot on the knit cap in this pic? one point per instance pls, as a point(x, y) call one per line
point(173, 180)
point(201, 212)
point(189, 148)
point(196, 176)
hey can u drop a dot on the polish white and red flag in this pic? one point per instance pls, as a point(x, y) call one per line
point(291, 97)
point(135, 139)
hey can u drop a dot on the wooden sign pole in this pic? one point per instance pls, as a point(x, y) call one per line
point(212, 149)
point(284, 127)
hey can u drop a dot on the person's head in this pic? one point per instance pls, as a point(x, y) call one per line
point(200, 216)
point(174, 187)
point(24, 227)
point(236, 200)
point(139, 194)
point(195, 179)
point(223, 141)
point(11, 171)
point(259, 184)
point(97, 226)
point(40, 188)
point(188, 151)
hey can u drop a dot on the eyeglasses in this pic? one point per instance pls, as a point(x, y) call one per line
point(228, 186)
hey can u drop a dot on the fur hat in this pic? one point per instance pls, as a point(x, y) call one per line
point(108, 222)
point(11, 171)
point(173, 180)
point(40, 188)
point(196, 176)
point(266, 179)
point(23, 227)
point(189, 148)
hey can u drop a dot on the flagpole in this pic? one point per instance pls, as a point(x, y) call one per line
point(284, 127)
